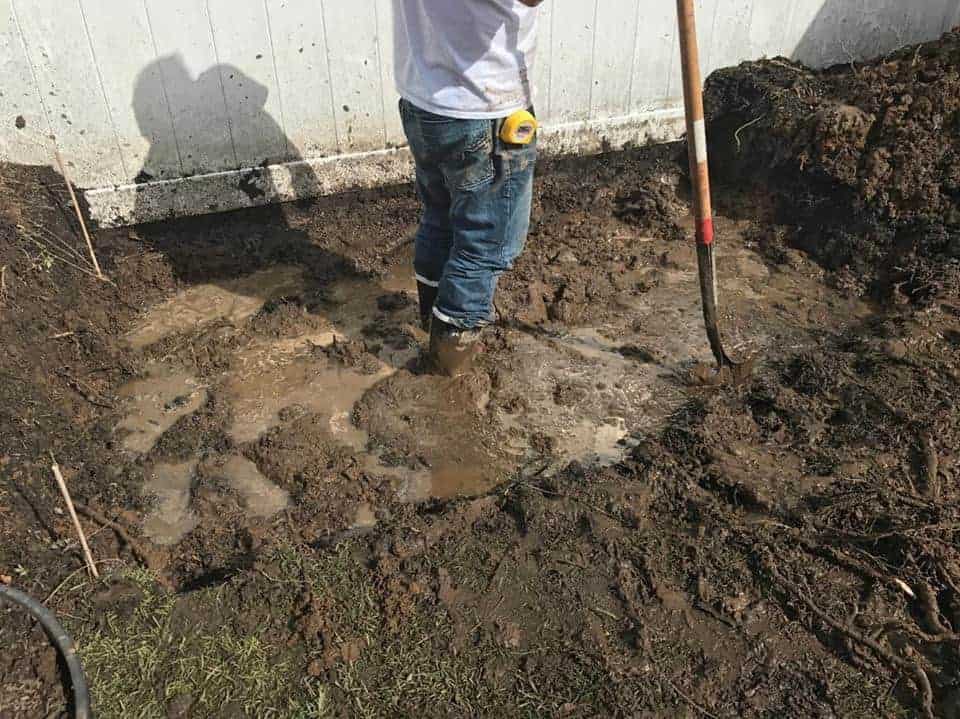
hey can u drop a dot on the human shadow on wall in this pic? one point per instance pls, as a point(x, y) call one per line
point(221, 246)
point(845, 31)
point(243, 251)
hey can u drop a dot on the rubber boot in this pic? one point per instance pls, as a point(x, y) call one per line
point(427, 296)
point(452, 350)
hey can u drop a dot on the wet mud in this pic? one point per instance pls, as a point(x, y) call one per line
point(586, 525)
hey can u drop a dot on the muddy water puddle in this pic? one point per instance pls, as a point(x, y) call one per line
point(261, 498)
point(448, 481)
point(172, 517)
point(270, 378)
point(234, 300)
point(588, 394)
point(171, 485)
point(155, 402)
point(583, 397)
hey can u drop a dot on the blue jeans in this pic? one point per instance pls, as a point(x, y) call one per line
point(476, 192)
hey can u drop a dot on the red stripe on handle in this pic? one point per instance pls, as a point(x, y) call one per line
point(705, 231)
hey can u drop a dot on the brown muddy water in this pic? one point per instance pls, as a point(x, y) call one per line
point(582, 394)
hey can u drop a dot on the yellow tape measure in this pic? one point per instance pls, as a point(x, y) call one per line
point(520, 128)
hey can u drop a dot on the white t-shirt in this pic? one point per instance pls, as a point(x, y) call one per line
point(468, 59)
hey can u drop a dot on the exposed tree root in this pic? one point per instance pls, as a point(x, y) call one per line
point(913, 668)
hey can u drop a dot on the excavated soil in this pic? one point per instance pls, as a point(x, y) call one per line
point(865, 159)
point(304, 519)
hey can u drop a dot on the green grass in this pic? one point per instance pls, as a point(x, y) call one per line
point(139, 665)
point(407, 672)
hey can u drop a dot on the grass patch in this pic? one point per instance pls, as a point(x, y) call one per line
point(423, 668)
point(141, 666)
point(411, 671)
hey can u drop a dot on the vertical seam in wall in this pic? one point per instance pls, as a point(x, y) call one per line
point(674, 56)
point(276, 77)
point(223, 89)
point(949, 13)
point(326, 49)
point(163, 87)
point(103, 90)
point(753, 10)
point(33, 73)
point(705, 71)
point(634, 58)
point(553, 37)
point(383, 101)
point(593, 58)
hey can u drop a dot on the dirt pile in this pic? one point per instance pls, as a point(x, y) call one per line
point(868, 155)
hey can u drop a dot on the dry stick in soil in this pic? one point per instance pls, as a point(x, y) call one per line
point(76, 207)
point(687, 699)
point(138, 552)
point(91, 565)
point(931, 466)
point(912, 668)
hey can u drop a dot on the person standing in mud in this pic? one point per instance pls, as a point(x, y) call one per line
point(463, 74)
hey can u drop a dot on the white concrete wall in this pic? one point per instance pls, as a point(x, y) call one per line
point(161, 106)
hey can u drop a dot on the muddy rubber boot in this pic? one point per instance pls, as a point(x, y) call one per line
point(426, 295)
point(452, 349)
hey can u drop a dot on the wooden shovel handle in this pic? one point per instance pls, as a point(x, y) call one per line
point(696, 131)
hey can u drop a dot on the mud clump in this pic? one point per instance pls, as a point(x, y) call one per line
point(354, 354)
point(865, 156)
point(653, 207)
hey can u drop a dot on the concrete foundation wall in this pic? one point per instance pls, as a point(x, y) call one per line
point(166, 107)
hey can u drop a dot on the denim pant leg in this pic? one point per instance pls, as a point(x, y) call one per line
point(490, 221)
point(489, 185)
point(434, 235)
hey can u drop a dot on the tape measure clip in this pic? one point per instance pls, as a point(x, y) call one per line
point(520, 128)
